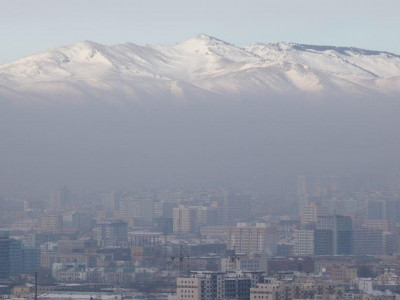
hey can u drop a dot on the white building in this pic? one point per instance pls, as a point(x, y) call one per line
point(246, 238)
point(303, 242)
point(309, 213)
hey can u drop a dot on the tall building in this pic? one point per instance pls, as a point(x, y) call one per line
point(345, 207)
point(393, 210)
point(72, 221)
point(303, 242)
point(163, 225)
point(214, 286)
point(368, 241)
point(376, 210)
point(184, 219)
point(112, 233)
point(234, 207)
point(189, 288)
point(163, 209)
point(252, 239)
point(189, 219)
point(237, 288)
point(111, 201)
point(52, 223)
point(390, 243)
point(15, 254)
point(30, 260)
point(343, 235)
point(309, 214)
point(333, 235)
point(16, 260)
point(302, 197)
point(323, 242)
point(138, 208)
point(60, 198)
point(4, 254)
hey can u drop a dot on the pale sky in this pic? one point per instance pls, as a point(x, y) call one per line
point(27, 26)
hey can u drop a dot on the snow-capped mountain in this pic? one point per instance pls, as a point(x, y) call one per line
point(200, 67)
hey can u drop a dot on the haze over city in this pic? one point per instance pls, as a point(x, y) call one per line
point(204, 150)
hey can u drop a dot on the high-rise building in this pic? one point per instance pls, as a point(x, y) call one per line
point(303, 242)
point(72, 221)
point(16, 262)
point(343, 235)
point(189, 219)
point(112, 233)
point(184, 219)
point(309, 214)
point(60, 198)
point(333, 235)
point(189, 288)
point(163, 225)
point(233, 207)
point(376, 210)
point(252, 239)
point(4, 254)
point(237, 287)
point(111, 201)
point(390, 244)
point(52, 223)
point(15, 259)
point(30, 260)
point(345, 207)
point(368, 241)
point(214, 286)
point(323, 242)
point(302, 197)
point(138, 208)
point(163, 209)
point(393, 210)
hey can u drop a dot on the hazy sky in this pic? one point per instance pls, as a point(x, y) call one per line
point(27, 26)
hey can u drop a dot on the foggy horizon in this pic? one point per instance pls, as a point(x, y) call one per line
point(200, 145)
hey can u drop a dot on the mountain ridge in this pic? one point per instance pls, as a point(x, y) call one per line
point(201, 65)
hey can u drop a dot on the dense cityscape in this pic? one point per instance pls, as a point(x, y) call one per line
point(200, 150)
point(318, 239)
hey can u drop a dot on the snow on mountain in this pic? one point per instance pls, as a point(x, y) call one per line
point(199, 67)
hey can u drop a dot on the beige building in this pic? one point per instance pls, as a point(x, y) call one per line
point(48, 258)
point(214, 231)
point(252, 239)
point(184, 219)
point(189, 219)
point(342, 272)
point(188, 288)
point(52, 223)
point(309, 213)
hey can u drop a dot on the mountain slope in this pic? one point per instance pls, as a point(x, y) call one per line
point(198, 68)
